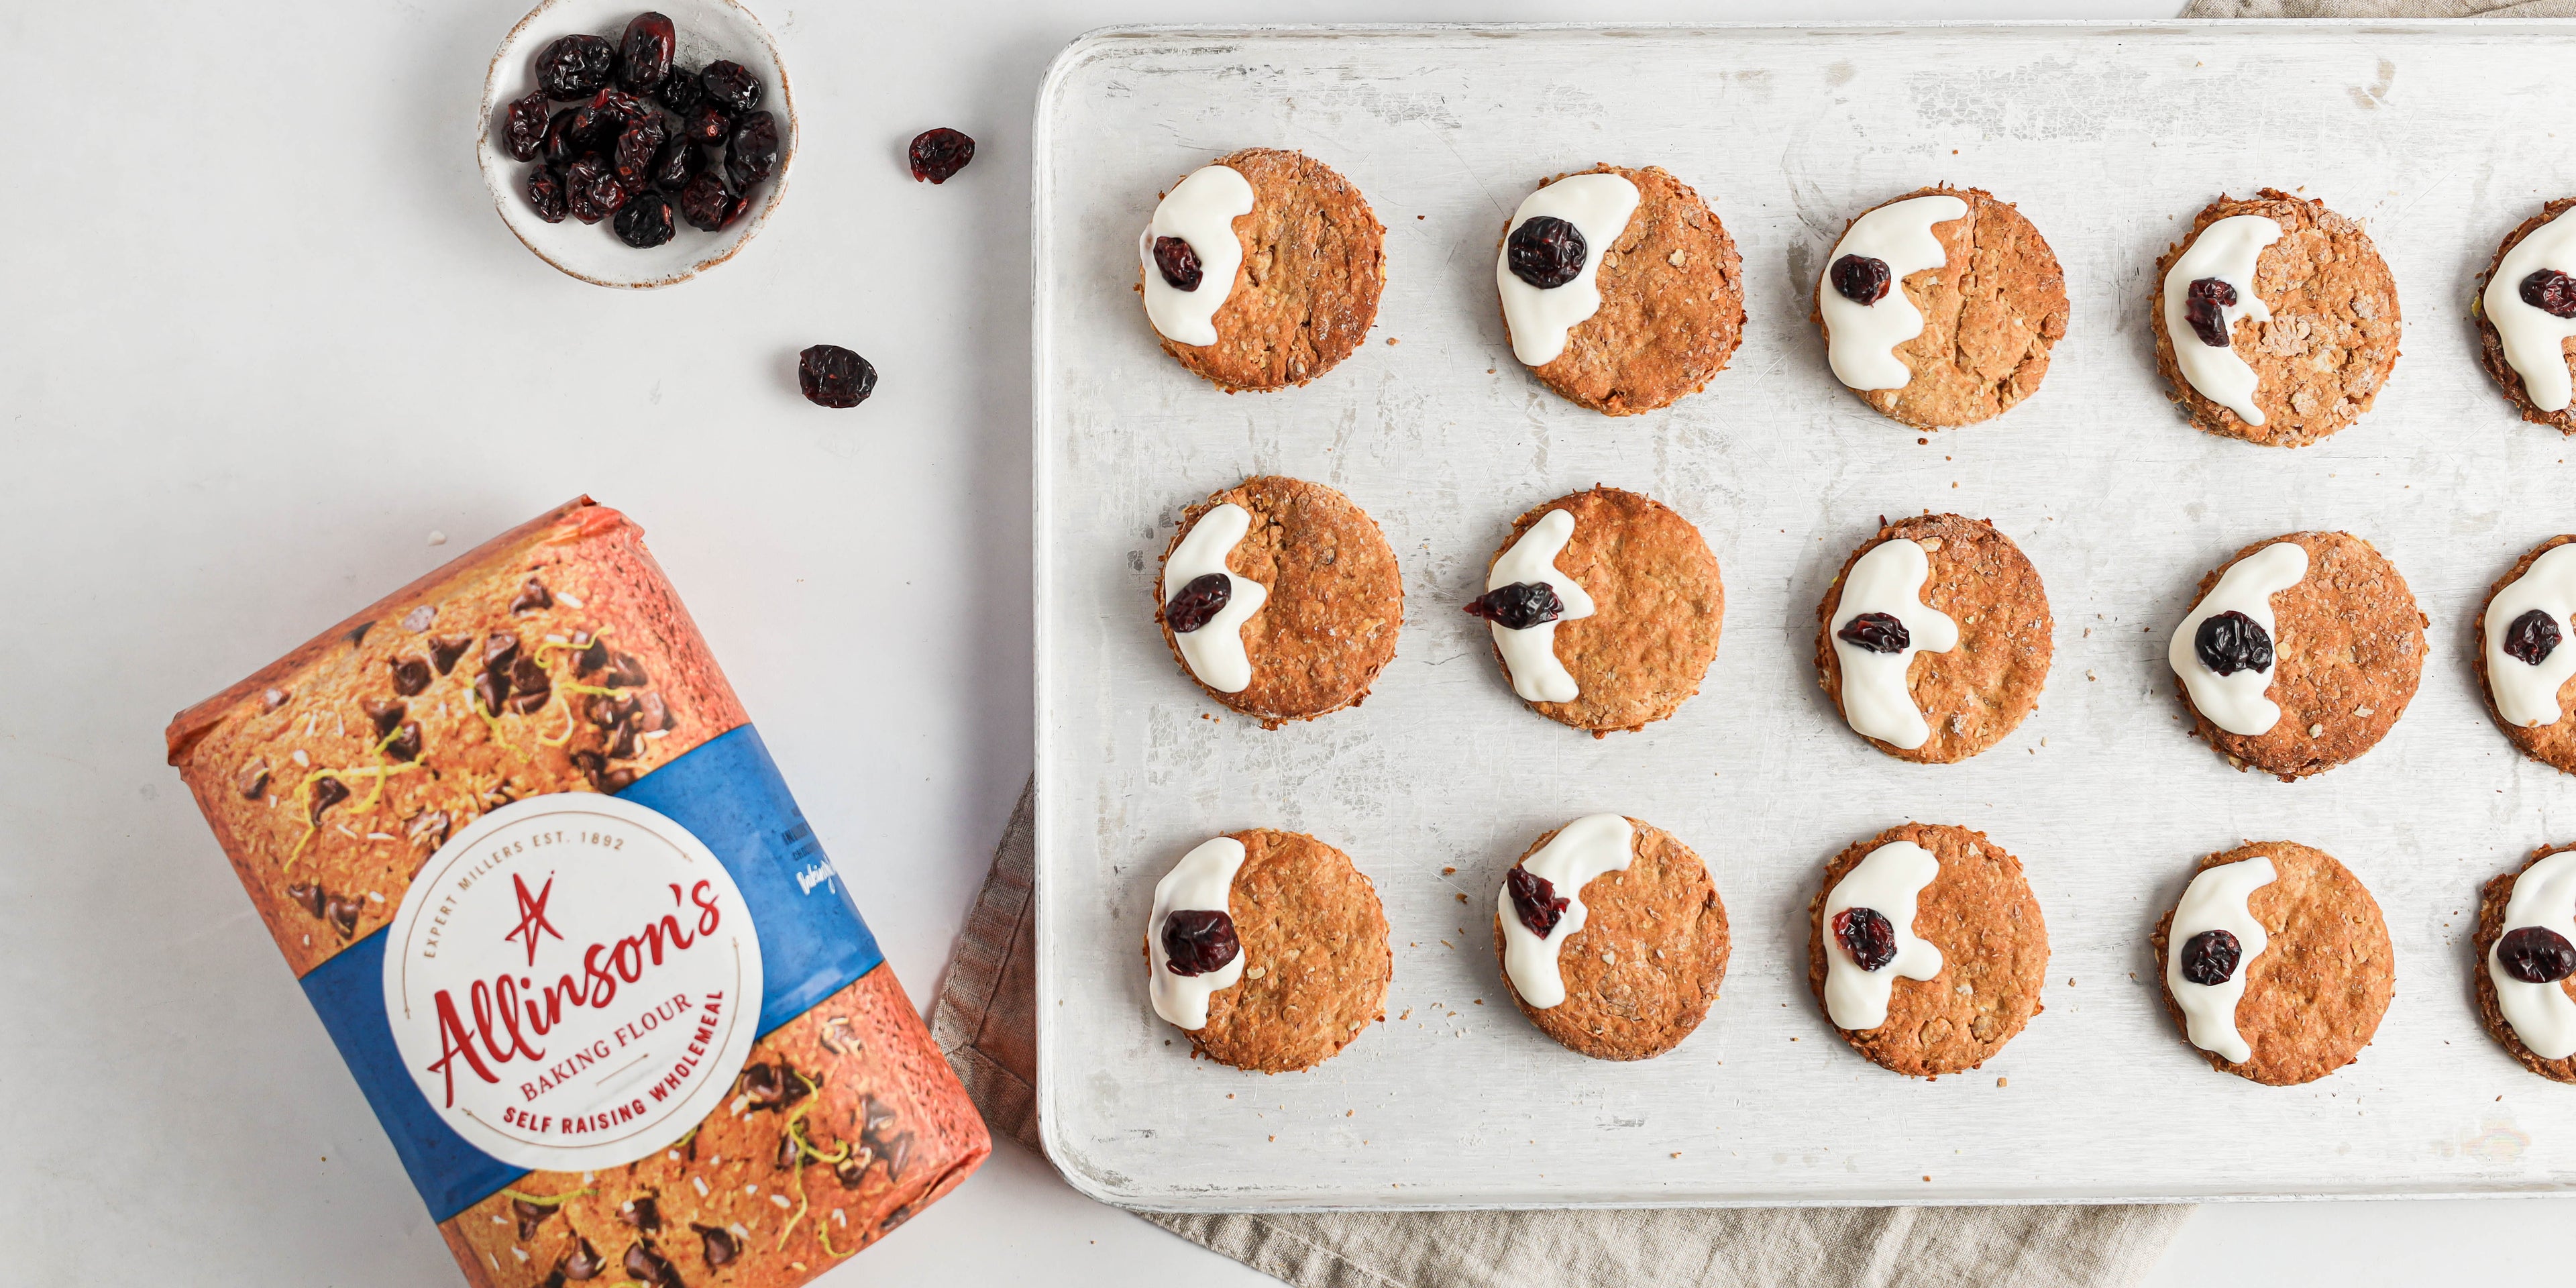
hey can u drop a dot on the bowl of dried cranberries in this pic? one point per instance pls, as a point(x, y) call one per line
point(633, 147)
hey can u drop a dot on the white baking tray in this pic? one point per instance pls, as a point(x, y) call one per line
point(2109, 137)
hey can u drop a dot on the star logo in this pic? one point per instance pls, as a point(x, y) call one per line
point(532, 914)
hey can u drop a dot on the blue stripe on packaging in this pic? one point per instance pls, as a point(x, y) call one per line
point(728, 794)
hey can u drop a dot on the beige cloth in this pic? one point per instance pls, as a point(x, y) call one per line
point(986, 1023)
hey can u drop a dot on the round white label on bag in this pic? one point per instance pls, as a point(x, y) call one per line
point(573, 981)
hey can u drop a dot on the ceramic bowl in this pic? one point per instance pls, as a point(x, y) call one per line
point(708, 30)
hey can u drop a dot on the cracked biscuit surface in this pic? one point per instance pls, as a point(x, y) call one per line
point(1980, 913)
point(1982, 689)
point(1672, 305)
point(1314, 264)
point(1315, 957)
point(1641, 974)
point(1658, 607)
point(2331, 341)
point(2315, 995)
point(1991, 310)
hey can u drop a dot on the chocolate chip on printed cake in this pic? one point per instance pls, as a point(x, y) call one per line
point(651, 1268)
point(252, 781)
point(327, 792)
point(531, 687)
point(582, 1263)
point(429, 827)
point(720, 1245)
point(308, 896)
point(383, 715)
point(529, 1216)
point(445, 649)
point(342, 912)
point(532, 596)
point(411, 675)
point(640, 1212)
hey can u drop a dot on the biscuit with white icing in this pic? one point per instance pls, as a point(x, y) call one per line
point(1315, 957)
point(1642, 972)
point(1306, 293)
point(1979, 690)
point(2315, 994)
point(2491, 349)
point(2492, 902)
point(2554, 743)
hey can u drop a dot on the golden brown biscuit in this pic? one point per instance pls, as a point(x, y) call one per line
point(1314, 264)
point(1658, 605)
point(1315, 957)
point(2491, 345)
point(1642, 972)
point(2491, 906)
point(1991, 312)
point(2314, 997)
point(1979, 691)
point(1672, 304)
point(2333, 335)
point(2348, 650)
point(1994, 955)
point(2553, 745)
point(1336, 599)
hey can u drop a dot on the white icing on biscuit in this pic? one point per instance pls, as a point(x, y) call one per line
point(1582, 850)
point(2535, 341)
point(1200, 211)
point(1598, 205)
point(2225, 250)
point(2215, 900)
point(2526, 695)
point(2235, 702)
point(2542, 1015)
point(1529, 654)
point(1202, 881)
point(1888, 882)
point(1861, 339)
point(1214, 652)
point(1875, 697)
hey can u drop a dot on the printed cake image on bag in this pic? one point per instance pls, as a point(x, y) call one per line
point(591, 967)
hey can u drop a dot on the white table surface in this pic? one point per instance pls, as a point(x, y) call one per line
point(261, 336)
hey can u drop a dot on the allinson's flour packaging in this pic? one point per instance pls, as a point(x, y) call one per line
point(592, 968)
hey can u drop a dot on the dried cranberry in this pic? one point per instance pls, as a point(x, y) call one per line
point(1876, 632)
point(751, 151)
point(937, 155)
point(1178, 263)
point(560, 150)
point(2203, 302)
point(1535, 900)
point(523, 127)
point(1198, 603)
point(680, 91)
point(832, 376)
point(645, 222)
point(1519, 606)
point(1197, 940)
point(644, 57)
point(707, 206)
point(1862, 279)
point(1545, 251)
point(731, 86)
point(706, 124)
point(597, 123)
point(2536, 955)
point(2532, 637)
point(638, 146)
point(1867, 935)
point(575, 67)
point(548, 194)
point(2552, 292)
point(2210, 957)
point(2230, 642)
point(594, 191)
point(679, 162)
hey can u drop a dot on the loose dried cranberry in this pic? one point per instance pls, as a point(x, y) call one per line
point(638, 146)
point(2536, 955)
point(1198, 603)
point(679, 162)
point(1867, 935)
point(2532, 637)
point(560, 150)
point(832, 376)
point(751, 151)
point(1546, 251)
point(1862, 279)
point(523, 127)
point(2552, 292)
point(731, 85)
point(2210, 957)
point(2202, 305)
point(680, 91)
point(548, 195)
point(1519, 606)
point(645, 222)
point(1178, 263)
point(1198, 940)
point(937, 155)
point(706, 124)
point(707, 206)
point(593, 188)
point(644, 57)
point(1535, 900)
point(575, 67)
point(2230, 642)
point(1877, 632)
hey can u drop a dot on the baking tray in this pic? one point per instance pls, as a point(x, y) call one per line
point(2109, 137)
